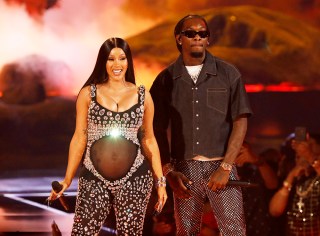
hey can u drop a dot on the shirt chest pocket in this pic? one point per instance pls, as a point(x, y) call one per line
point(218, 99)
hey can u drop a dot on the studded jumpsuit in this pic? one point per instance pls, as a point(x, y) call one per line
point(115, 172)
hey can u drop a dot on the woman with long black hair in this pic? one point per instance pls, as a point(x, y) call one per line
point(111, 114)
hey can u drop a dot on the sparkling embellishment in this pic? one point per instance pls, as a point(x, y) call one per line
point(115, 132)
point(115, 126)
point(93, 91)
point(101, 112)
point(300, 204)
point(132, 193)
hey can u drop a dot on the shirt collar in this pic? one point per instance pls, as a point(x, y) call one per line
point(209, 66)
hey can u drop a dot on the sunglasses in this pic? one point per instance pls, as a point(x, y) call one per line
point(192, 33)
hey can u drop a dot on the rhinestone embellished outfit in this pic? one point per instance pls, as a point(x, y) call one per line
point(304, 212)
point(226, 204)
point(103, 183)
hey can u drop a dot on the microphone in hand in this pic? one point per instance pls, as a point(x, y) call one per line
point(57, 187)
point(240, 183)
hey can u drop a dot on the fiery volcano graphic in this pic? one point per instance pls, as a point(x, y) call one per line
point(35, 8)
point(48, 50)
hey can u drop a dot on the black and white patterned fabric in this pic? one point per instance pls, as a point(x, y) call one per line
point(227, 204)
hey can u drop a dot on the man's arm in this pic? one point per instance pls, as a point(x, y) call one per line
point(220, 177)
point(236, 139)
point(160, 96)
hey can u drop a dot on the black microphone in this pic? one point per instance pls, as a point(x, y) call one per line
point(57, 187)
point(241, 183)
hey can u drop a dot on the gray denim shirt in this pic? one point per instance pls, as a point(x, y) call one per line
point(200, 115)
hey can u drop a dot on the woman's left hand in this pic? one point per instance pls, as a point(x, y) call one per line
point(162, 198)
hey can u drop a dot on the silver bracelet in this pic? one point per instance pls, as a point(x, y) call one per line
point(161, 182)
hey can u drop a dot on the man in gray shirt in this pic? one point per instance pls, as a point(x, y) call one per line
point(202, 101)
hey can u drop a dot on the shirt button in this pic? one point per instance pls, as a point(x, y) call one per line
point(196, 88)
point(197, 128)
point(197, 114)
point(197, 101)
point(197, 143)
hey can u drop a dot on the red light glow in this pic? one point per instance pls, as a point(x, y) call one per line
point(282, 87)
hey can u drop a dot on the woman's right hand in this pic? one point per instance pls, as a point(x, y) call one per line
point(162, 198)
point(53, 195)
point(176, 181)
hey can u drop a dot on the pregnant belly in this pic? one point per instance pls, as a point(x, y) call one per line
point(113, 157)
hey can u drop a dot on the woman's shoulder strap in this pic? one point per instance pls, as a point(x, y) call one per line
point(141, 93)
point(93, 91)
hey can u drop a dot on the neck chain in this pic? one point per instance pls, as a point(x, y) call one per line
point(194, 72)
point(303, 194)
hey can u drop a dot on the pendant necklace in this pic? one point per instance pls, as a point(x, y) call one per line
point(303, 194)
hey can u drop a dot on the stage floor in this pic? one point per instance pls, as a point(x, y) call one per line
point(24, 209)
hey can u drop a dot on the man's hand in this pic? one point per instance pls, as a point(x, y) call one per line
point(218, 179)
point(177, 182)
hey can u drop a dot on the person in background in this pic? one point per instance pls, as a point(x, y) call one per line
point(298, 198)
point(258, 169)
point(111, 112)
point(201, 104)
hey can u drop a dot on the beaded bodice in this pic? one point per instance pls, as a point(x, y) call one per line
point(104, 123)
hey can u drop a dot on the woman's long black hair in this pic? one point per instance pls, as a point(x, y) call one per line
point(99, 74)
